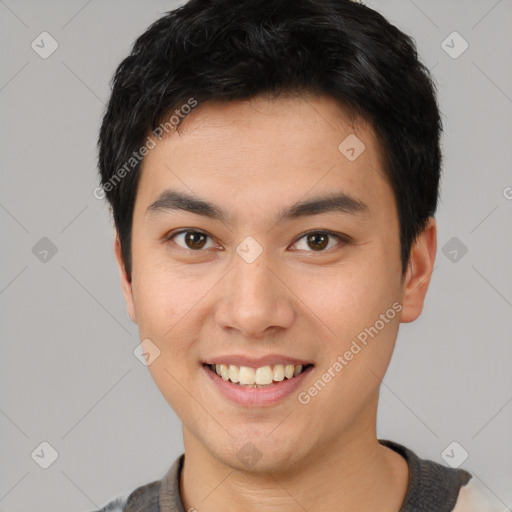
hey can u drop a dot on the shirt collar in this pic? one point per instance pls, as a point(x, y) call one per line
point(431, 485)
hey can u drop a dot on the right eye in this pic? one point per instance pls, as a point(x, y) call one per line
point(191, 239)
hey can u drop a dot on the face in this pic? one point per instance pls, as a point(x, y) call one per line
point(259, 271)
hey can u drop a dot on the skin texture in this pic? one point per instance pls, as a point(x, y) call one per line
point(252, 159)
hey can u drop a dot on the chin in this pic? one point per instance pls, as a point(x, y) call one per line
point(259, 454)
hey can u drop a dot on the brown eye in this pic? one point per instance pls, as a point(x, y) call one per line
point(314, 241)
point(317, 241)
point(193, 240)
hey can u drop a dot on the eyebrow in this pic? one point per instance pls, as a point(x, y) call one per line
point(171, 200)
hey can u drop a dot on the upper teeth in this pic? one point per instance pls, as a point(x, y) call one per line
point(264, 375)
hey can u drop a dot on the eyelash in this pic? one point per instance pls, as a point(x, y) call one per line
point(344, 239)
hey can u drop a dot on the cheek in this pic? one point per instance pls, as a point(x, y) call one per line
point(169, 377)
point(165, 314)
point(155, 303)
point(347, 299)
point(171, 310)
point(160, 295)
point(359, 324)
point(161, 308)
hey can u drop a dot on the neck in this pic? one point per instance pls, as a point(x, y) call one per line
point(356, 474)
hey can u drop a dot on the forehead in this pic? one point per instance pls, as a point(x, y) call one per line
point(287, 148)
point(273, 123)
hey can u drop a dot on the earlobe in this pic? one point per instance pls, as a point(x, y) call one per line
point(125, 283)
point(419, 272)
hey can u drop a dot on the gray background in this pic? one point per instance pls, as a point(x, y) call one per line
point(68, 373)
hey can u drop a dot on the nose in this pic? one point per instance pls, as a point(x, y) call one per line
point(255, 299)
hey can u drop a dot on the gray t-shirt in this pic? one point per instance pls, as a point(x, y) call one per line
point(432, 488)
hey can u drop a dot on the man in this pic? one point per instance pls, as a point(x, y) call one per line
point(273, 171)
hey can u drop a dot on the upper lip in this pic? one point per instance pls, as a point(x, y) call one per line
point(256, 362)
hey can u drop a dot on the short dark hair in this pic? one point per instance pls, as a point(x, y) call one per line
point(222, 50)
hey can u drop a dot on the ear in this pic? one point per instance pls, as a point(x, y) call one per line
point(125, 283)
point(419, 272)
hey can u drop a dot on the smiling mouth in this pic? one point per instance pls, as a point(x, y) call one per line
point(262, 377)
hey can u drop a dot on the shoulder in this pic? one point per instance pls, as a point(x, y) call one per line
point(149, 496)
point(145, 497)
point(116, 505)
point(474, 497)
point(433, 486)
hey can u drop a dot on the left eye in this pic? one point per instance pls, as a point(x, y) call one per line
point(319, 240)
point(197, 240)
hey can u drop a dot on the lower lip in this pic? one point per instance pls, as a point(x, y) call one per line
point(257, 396)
